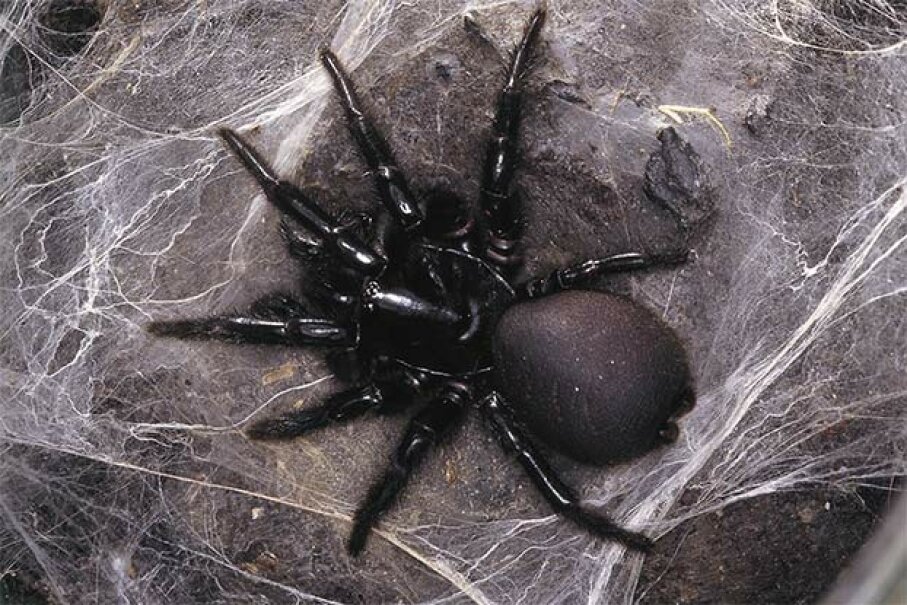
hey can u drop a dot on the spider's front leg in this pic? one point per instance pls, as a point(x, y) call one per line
point(342, 244)
point(561, 497)
point(389, 179)
point(274, 319)
point(423, 432)
point(277, 318)
point(499, 201)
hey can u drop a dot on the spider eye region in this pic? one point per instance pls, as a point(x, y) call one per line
point(594, 375)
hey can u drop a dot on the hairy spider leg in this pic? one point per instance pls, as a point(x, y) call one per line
point(274, 319)
point(342, 407)
point(578, 275)
point(499, 200)
point(513, 439)
point(393, 391)
point(389, 179)
point(344, 245)
point(423, 432)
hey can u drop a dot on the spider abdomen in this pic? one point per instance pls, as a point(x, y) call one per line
point(595, 375)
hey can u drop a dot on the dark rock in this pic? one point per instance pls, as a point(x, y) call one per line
point(675, 178)
point(568, 92)
point(15, 84)
point(758, 115)
point(69, 25)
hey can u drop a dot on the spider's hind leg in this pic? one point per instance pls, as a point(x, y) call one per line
point(379, 396)
point(561, 498)
point(341, 407)
point(424, 431)
point(386, 393)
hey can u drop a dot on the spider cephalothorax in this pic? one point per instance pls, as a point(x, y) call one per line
point(427, 309)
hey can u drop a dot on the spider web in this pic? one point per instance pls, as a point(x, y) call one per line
point(123, 475)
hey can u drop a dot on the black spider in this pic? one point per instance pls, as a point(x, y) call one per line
point(427, 310)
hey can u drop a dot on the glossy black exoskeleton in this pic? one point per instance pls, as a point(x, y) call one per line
point(425, 304)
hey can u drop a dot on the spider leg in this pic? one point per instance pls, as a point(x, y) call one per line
point(423, 432)
point(274, 319)
point(392, 187)
point(561, 498)
point(342, 243)
point(335, 288)
point(306, 247)
point(499, 200)
point(391, 392)
point(567, 278)
point(341, 407)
